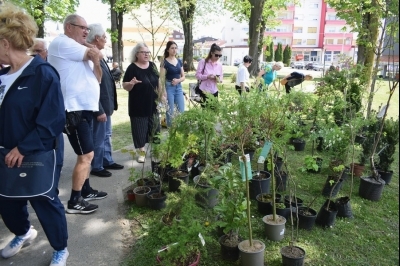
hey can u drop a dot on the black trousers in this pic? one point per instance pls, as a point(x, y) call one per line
point(239, 89)
point(203, 96)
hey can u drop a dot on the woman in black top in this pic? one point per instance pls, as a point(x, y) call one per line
point(141, 79)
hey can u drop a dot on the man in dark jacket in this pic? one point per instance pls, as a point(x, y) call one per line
point(102, 128)
point(294, 79)
point(116, 72)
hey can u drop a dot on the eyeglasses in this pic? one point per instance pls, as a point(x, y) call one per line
point(144, 52)
point(217, 55)
point(38, 51)
point(80, 26)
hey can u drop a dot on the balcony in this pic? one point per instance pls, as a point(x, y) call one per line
point(338, 47)
point(279, 34)
point(335, 22)
point(338, 35)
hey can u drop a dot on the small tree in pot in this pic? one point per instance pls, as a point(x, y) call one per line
point(390, 138)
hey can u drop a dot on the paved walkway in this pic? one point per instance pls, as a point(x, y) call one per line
point(100, 238)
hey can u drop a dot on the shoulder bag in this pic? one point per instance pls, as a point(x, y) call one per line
point(197, 88)
point(34, 179)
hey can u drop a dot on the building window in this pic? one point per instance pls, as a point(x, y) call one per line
point(296, 41)
point(328, 56)
point(340, 41)
point(298, 30)
point(231, 40)
point(332, 17)
point(311, 41)
point(312, 30)
point(299, 17)
point(330, 29)
point(328, 41)
point(313, 5)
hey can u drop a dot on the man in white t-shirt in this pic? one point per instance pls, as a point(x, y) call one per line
point(70, 54)
point(243, 76)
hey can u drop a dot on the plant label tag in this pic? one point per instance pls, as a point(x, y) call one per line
point(264, 152)
point(248, 166)
point(202, 239)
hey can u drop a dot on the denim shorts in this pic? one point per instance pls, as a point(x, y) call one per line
point(82, 138)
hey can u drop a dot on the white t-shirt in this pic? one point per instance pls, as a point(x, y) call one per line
point(79, 85)
point(7, 80)
point(242, 75)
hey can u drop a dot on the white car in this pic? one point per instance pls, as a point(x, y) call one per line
point(297, 64)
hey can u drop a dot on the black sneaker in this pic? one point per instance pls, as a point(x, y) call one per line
point(81, 206)
point(94, 195)
point(101, 173)
point(113, 166)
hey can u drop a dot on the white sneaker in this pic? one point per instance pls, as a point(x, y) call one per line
point(141, 159)
point(18, 242)
point(59, 258)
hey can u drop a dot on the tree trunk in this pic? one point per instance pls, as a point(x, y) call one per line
point(186, 13)
point(120, 41)
point(260, 47)
point(256, 10)
point(41, 17)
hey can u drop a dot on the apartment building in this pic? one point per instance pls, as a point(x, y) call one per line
point(311, 28)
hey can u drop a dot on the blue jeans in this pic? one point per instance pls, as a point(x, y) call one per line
point(174, 97)
point(102, 144)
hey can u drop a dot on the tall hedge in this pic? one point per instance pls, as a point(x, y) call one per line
point(286, 55)
point(278, 53)
point(269, 55)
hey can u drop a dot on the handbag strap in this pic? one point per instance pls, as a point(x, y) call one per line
point(202, 72)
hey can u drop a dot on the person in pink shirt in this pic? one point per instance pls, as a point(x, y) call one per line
point(209, 73)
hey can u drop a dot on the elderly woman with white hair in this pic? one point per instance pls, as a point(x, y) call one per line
point(269, 73)
point(141, 79)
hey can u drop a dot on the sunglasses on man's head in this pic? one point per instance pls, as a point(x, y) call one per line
point(217, 55)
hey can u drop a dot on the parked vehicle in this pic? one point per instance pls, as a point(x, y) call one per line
point(297, 64)
point(316, 66)
point(320, 67)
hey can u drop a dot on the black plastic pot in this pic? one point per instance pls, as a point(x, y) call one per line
point(294, 200)
point(284, 213)
point(288, 258)
point(175, 182)
point(260, 183)
point(306, 218)
point(281, 181)
point(299, 144)
point(207, 197)
point(264, 207)
point(156, 203)
point(328, 187)
point(370, 188)
point(326, 218)
point(344, 208)
point(386, 176)
point(229, 252)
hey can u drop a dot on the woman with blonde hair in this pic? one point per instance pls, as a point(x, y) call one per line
point(30, 90)
point(141, 80)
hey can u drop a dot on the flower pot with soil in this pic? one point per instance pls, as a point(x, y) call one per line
point(293, 256)
point(175, 177)
point(251, 255)
point(299, 144)
point(141, 195)
point(332, 186)
point(260, 183)
point(156, 199)
point(229, 246)
point(344, 208)
point(327, 214)
point(207, 197)
point(274, 230)
point(307, 217)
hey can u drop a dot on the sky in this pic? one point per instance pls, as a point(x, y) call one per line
point(96, 12)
